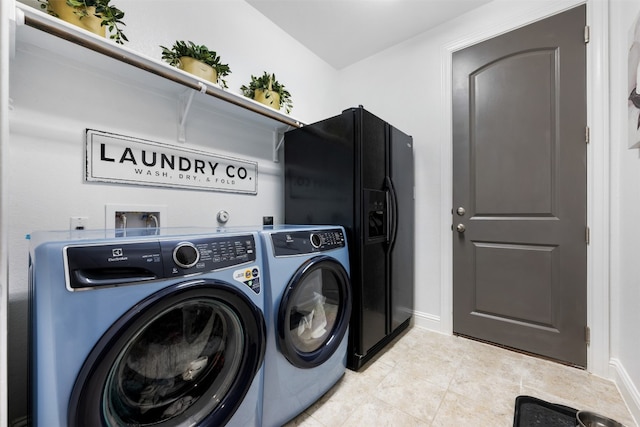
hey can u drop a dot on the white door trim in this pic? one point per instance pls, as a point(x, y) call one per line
point(598, 178)
point(6, 13)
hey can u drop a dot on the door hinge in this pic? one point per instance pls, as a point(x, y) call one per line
point(587, 136)
point(586, 33)
point(587, 335)
point(587, 235)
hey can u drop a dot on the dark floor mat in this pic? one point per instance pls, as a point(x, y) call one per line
point(532, 412)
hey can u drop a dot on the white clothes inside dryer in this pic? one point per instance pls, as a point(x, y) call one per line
point(314, 323)
point(313, 314)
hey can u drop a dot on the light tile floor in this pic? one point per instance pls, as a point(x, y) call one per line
point(428, 379)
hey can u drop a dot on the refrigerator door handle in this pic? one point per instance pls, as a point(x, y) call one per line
point(392, 212)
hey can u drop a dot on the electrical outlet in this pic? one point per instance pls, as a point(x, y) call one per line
point(79, 222)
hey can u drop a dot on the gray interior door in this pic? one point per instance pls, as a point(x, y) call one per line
point(519, 189)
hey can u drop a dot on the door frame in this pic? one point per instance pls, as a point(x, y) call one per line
point(598, 179)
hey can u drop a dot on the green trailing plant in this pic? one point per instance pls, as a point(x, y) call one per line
point(201, 53)
point(110, 16)
point(268, 82)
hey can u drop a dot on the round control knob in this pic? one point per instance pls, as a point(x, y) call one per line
point(316, 240)
point(186, 255)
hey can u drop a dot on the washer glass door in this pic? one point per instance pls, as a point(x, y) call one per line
point(190, 354)
point(314, 312)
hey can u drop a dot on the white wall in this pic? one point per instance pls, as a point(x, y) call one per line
point(52, 108)
point(243, 38)
point(625, 209)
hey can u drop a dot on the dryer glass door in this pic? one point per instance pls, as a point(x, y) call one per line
point(314, 312)
point(185, 355)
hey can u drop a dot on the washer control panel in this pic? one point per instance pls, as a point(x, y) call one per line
point(289, 243)
point(207, 254)
point(114, 264)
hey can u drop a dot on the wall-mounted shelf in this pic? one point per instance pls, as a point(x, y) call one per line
point(37, 28)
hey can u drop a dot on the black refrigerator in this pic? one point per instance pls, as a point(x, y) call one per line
point(357, 171)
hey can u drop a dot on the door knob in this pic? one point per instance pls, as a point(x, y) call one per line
point(460, 228)
point(460, 211)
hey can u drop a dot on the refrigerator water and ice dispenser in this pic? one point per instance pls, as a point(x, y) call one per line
point(376, 214)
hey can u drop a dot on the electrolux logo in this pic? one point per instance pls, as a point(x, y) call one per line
point(122, 159)
point(117, 255)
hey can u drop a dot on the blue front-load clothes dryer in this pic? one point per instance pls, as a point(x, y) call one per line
point(308, 306)
point(163, 330)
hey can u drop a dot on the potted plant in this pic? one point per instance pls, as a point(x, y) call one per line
point(198, 60)
point(92, 15)
point(267, 90)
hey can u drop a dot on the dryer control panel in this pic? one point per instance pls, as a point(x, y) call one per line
point(114, 264)
point(289, 243)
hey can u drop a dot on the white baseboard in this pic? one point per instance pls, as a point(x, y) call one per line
point(627, 388)
point(428, 321)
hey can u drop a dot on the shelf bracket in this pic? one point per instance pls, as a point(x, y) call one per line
point(16, 19)
point(278, 140)
point(184, 104)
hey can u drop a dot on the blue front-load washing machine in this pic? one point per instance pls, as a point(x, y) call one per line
point(308, 306)
point(163, 330)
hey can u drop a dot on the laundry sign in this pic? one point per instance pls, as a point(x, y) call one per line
point(127, 160)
